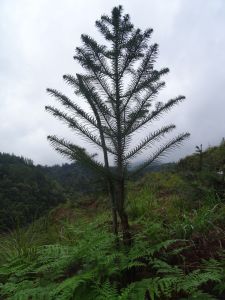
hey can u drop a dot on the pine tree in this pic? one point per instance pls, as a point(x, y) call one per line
point(199, 151)
point(120, 85)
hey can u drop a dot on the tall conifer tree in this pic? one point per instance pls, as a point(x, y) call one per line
point(120, 85)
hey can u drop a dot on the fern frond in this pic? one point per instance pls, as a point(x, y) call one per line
point(199, 295)
point(67, 289)
point(106, 291)
point(196, 279)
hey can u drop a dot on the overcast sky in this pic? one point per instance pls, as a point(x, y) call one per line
point(38, 38)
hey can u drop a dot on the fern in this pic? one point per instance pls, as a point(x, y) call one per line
point(106, 291)
point(199, 295)
point(39, 293)
point(87, 265)
point(68, 288)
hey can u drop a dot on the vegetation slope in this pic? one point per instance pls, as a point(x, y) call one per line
point(28, 191)
point(178, 241)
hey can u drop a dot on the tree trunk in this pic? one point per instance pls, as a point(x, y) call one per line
point(125, 228)
point(115, 222)
point(122, 214)
point(113, 207)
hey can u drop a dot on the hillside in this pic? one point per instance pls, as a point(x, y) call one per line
point(25, 191)
point(177, 251)
point(211, 159)
point(28, 191)
point(73, 178)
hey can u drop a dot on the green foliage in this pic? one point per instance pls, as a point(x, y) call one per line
point(74, 178)
point(142, 202)
point(213, 159)
point(210, 178)
point(25, 192)
point(85, 262)
point(176, 251)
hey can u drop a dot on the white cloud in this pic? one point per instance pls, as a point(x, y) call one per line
point(38, 38)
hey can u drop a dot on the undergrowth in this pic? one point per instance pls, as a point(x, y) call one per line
point(80, 258)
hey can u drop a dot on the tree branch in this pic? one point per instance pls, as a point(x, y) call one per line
point(153, 137)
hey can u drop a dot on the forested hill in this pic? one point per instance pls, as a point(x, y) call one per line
point(7, 159)
point(73, 177)
point(28, 191)
point(25, 191)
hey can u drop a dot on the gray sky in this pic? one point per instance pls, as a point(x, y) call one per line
point(38, 38)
